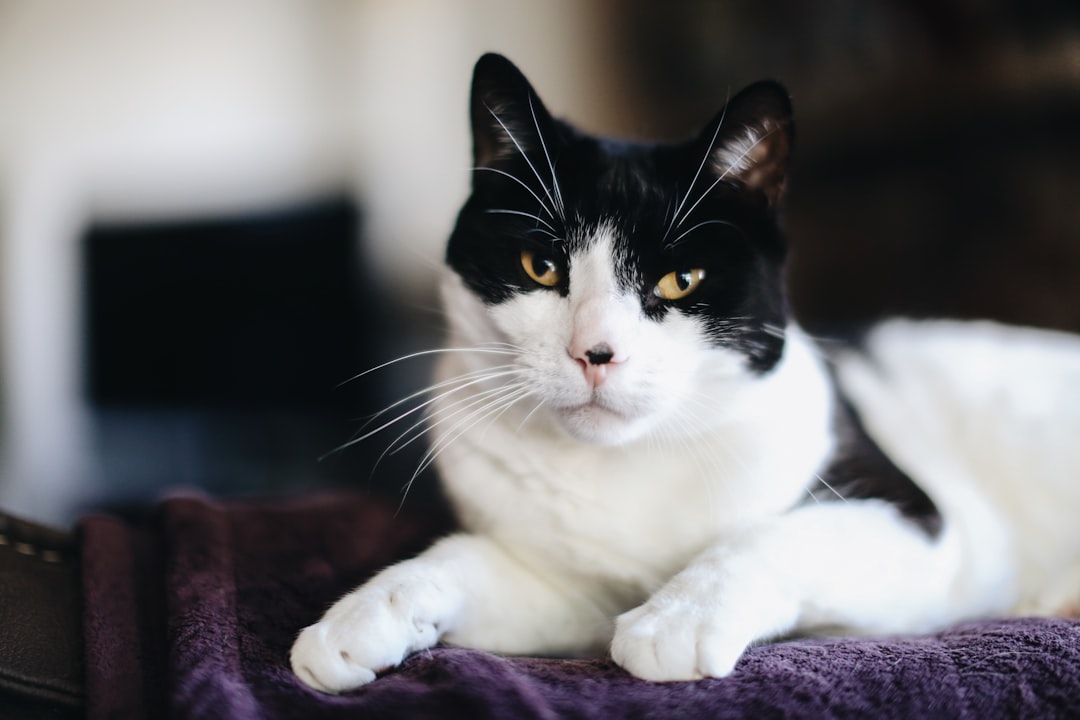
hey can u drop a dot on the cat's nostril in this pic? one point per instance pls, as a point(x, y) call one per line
point(600, 354)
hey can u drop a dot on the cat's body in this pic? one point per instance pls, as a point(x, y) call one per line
point(645, 453)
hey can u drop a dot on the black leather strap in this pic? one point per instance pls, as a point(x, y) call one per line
point(41, 670)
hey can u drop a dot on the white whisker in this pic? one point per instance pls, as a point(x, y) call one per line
point(491, 409)
point(551, 166)
point(530, 414)
point(425, 425)
point(550, 235)
point(704, 161)
point(773, 330)
point(495, 349)
point(479, 375)
point(829, 487)
point(520, 182)
point(524, 156)
point(475, 379)
point(731, 166)
point(501, 211)
point(429, 422)
point(676, 241)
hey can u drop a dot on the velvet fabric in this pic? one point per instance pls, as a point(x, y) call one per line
point(191, 612)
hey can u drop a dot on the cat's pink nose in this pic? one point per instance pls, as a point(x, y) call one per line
point(596, 362)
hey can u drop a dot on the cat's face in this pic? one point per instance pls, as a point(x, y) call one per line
point(636, 285)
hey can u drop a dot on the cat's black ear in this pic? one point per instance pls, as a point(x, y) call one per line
point(507, 115)
point(750, 140)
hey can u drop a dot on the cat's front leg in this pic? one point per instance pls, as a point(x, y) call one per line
point(467, 589)
point(404, 608)
point(700, 622)
point(856, 565)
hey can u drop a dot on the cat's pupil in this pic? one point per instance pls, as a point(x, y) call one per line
point(683, 279)
point(542, 266)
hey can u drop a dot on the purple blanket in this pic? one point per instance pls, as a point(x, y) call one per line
point(191, 614)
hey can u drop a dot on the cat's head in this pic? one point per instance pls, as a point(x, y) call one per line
point(637, 283)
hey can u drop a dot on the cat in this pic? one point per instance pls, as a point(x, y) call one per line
point(649, 457)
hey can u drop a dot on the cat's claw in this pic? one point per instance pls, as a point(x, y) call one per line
point(673, 643)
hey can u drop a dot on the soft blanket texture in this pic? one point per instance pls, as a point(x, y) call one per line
point(192, 613)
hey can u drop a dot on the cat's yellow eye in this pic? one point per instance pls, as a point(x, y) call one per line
point(542, 269)
point(677, 285)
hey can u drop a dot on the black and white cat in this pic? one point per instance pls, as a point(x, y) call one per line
point(646, 454)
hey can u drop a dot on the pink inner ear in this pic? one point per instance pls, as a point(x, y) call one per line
point(756, 158)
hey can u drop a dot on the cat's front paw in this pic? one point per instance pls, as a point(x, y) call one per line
point(367, 631)
point(325, 657)
point(675, 641)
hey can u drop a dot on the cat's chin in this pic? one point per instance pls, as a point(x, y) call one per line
point(596, 425)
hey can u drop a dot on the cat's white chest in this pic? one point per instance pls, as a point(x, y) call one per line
point(618, 516)
point(630, 516)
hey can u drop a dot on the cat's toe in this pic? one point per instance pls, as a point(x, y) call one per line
point(671, 645)
point(366, 632)
point(321, 658)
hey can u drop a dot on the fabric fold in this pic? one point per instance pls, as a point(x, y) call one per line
point(191, 614)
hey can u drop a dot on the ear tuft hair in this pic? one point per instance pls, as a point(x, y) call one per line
point(507, 115)
point(752, 139)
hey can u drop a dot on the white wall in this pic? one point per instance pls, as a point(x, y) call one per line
point(122, 110)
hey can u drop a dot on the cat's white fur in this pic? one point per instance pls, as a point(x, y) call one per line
point(663, 511)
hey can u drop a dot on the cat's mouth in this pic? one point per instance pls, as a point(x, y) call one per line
point(600, 422)
point(598, 403)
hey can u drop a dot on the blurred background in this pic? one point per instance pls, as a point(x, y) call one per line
point(211, 214)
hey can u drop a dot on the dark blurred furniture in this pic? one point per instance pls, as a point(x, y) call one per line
point(41, 642)
point(216, 353)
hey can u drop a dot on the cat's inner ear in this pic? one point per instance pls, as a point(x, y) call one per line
point(751, 140)
point(507, 116)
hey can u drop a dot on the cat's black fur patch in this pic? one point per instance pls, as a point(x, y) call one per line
point(540, 185)
point(861, 471)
